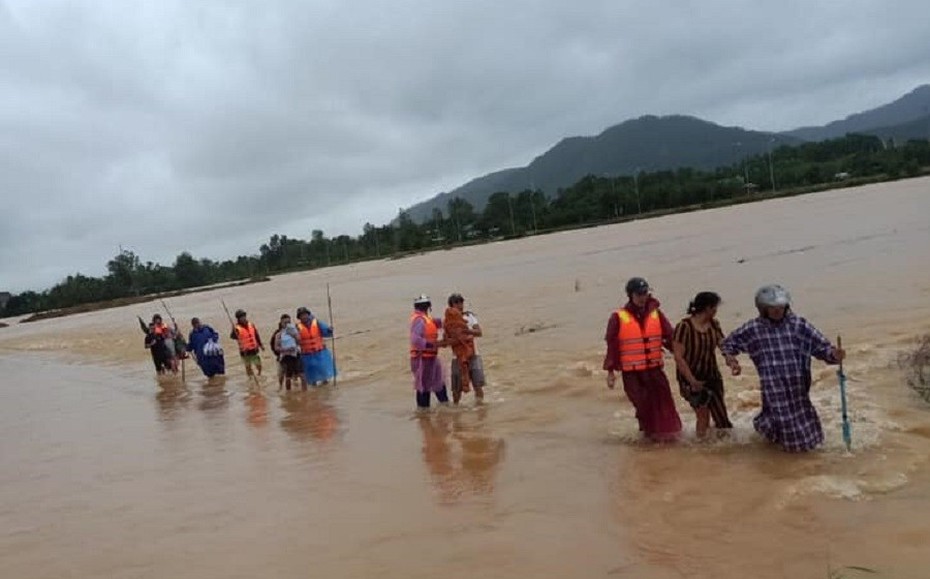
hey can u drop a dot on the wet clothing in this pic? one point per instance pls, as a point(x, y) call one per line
point(209, 361)
point(475, 366)
point(700, 348)
point(648, 389)
point(472, 320)
point(251, 351)
point(640, 342)
point(426, 369)
point(167, 335)
point(710, 396)
point(310, 336)
point(475, 373)
point(700, 353)
point(161, 355)
point(425, 365)
point(781, 352)
point(284, 342)
point(290, 366)
point(286, 352)
point(288, 344)
point(455, 327)
point(612, 359)
point(274, 344)
point(651, 395)
point(427, 377)
point(319, 366)
point(174, 340)
point(423, 398)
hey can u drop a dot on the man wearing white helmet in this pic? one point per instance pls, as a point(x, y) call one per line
point(781, 345)
point(424, 353)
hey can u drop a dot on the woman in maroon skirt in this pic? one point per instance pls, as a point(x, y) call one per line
point(636, 334)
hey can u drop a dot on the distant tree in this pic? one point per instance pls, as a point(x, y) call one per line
point(461, 217)
point(188, 272)
point(123, 270)
point(496, 217)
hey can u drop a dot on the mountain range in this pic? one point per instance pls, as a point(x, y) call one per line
point(652, 143)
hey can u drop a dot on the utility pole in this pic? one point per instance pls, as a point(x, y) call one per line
point(533, 205)
point(454, 214)
point(639, 204)
point(771, 164)
point(613, 195)
point(742, 162)
point(928, 122)
point(513, 228)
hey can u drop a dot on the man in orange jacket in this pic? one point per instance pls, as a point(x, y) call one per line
point(250, 343)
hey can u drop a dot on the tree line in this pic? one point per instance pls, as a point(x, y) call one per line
point(593, 199)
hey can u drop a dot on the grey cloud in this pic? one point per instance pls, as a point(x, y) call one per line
point(206, 127)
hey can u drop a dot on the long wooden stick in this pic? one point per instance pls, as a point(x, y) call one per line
point(228, 315)
point(332, 340)
point(178, 333)
point(847, 434)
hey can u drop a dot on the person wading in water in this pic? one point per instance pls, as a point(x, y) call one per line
point(635, 336)
point(697, 338)
point(781, 344)
point(424, 354)
point(249, 343)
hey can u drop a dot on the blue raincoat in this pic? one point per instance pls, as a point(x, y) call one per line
point(319, 366)
point(210, 364)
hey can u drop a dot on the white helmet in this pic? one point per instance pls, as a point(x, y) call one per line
point(422, 299)
point(772, 295)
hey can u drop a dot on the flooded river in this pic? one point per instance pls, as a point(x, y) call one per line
point(108, 472)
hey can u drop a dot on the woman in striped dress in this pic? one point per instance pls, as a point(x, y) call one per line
point(697, 338)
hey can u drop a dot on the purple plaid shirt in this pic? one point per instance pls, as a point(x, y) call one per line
point(781, 352)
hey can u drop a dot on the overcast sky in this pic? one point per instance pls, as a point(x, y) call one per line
point(167, 126)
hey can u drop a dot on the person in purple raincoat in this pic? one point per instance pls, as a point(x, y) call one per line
point(424, 354)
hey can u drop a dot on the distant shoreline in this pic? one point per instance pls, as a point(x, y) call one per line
point(127, 301)
point(743, 199)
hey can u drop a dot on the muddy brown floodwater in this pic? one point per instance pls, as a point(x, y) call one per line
point(108, 472)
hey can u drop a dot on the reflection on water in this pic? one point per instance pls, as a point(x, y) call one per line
point(309, 415)
point(172, 399)
point(213, 397)
point(257, 409)
point(461, 456)
point(305, 415)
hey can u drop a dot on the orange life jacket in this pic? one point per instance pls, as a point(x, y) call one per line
point(162, 330)
point(246, 335)
point(311, 339)
point(430, 334)
point(640, 347)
